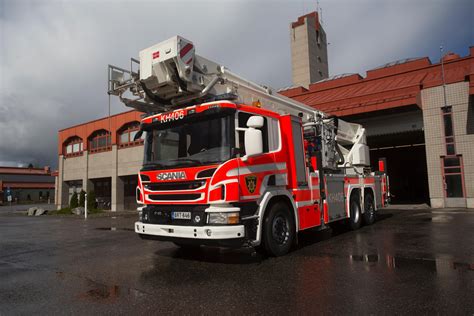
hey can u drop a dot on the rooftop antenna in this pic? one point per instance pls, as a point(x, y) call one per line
point(442, 74)
point(321, 18)
point(320, 12)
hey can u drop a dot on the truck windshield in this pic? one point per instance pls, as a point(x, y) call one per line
point(189, 143)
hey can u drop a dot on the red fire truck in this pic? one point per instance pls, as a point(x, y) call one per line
point(228, 162)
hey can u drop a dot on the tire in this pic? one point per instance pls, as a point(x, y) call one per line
point(278, 230)
point(369, 209)
point(356, 216)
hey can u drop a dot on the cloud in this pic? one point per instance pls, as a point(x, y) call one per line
point(372, 33)
point(54, 54)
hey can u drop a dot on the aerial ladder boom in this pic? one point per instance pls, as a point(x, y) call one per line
point(171, 76)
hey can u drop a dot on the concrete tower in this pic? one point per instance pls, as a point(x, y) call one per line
point(309, 54)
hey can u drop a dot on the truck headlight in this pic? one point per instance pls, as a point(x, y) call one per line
point(224, 218)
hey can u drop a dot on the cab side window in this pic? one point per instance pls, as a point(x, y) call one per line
point(242, 122)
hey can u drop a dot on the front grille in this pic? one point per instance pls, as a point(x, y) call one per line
point(174, 197)
point(172, 186)
point(162, 215)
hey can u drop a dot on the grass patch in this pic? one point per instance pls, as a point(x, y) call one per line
point(95, 211)
point(67, 211)
point(63, 211)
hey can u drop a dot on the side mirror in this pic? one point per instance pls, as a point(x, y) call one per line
point(255, 121)
point(253, 142)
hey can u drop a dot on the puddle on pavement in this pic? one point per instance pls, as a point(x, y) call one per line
point(435, 217)
point(439, 219)
point(101, 292)
point(108, 293)
point(439, 265)
point(114, 228)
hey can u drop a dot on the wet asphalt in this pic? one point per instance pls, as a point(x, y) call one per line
point(410, 261)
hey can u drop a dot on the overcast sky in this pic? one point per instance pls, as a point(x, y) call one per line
point(54, 54)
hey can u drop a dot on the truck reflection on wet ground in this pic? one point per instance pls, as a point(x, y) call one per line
point(312, 236)
point(213, 255)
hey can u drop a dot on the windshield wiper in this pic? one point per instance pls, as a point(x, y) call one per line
point(187, 160)
point(213, 161)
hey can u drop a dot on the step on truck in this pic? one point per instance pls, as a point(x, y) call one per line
point(228, 162)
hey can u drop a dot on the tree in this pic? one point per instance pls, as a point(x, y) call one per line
point(91, 204)
point(82, 198)
point(74, 202)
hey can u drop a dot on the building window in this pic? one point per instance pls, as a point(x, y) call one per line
point(73, 147)
point(99, 141)
point(453, 176)
point(130, 185)
point(448, 130)
point(127, 133)
point(102, 187)
point(470, 116)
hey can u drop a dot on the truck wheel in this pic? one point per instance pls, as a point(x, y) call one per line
point(278, 230)
point(369, 209)
point(354, 221)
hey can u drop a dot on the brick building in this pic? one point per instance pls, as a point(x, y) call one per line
point(101, 156)
point(425, 129)
point(27, 184)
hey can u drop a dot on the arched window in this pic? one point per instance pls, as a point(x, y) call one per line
point(127, 133)
point(99, 141)
point(73, 146)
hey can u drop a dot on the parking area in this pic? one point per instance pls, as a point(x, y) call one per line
point(410, 261)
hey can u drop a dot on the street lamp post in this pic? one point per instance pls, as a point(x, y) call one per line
point(85, 206)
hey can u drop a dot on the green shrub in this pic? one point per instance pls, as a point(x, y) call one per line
point(74, 202)
point(82, 198)
point(91, 204)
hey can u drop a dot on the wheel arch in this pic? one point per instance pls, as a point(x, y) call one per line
point(269, 199)
point(369, 190)
point(353, 191)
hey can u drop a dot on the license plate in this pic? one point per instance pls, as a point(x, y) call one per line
point(181, 215)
